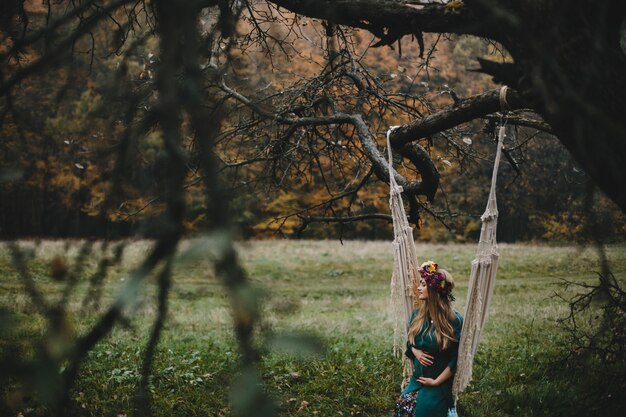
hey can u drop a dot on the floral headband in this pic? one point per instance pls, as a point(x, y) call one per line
point(435, 279)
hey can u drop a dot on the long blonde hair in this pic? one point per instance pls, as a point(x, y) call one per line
point(437, 308)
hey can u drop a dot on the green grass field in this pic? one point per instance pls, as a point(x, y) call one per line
point(340, 293)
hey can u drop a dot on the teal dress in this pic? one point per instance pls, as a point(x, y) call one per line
point(433, 401)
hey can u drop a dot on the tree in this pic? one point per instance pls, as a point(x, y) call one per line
point(308, 111)
point(211, 130)
point(27, 52)
point(568, 66)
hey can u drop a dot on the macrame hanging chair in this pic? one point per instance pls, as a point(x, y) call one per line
point(481, 282)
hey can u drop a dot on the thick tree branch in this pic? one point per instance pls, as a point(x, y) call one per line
point(525, 122)
point(420, 158)
point(389, 19)
point(464, 111)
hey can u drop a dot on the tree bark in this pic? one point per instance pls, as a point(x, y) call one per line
point(464, 111)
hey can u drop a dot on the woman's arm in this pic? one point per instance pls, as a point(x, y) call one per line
point(454, 354)
point(443, 377)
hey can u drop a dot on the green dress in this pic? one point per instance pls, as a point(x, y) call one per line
point(433, 401)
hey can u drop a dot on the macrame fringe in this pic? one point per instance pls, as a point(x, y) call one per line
point(404, 276)
point(481, 284)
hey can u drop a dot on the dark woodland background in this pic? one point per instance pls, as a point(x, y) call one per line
point(61, 139)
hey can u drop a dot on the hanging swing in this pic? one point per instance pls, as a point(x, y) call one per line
point(481, 282)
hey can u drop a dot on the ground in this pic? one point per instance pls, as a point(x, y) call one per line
point(338, 292)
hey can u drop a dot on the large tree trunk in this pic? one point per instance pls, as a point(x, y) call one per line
point(584, 102)
point(569, 65)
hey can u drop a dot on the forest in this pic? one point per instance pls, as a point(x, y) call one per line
point(65, 128)
point(195, 202)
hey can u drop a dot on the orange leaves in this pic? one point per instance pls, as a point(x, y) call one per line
point(97, 196)
point(35, 6)
point(284, 202)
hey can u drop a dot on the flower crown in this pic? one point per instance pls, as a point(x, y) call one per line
point(435, 279)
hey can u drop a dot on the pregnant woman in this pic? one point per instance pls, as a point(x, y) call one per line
point(434, 334)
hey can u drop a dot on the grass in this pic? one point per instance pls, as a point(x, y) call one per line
point(340, 294)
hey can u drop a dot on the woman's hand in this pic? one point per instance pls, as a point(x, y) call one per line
point(424, 358)
point(443, 377)
point(427, 382)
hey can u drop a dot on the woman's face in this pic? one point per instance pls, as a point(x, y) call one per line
point(422, 290)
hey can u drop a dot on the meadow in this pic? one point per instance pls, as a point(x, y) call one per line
point(336, 295)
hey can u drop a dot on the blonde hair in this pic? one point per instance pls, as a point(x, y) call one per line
point(437, 309)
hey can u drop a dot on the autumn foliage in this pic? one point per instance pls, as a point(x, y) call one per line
point(63, 131)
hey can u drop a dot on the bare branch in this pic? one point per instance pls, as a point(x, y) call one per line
point(61, 49)
point(379, 163)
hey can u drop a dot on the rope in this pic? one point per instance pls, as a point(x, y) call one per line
point(404, 275)
point(482, 278)
point(492, 204)
point(504, 105)
point(392, 181)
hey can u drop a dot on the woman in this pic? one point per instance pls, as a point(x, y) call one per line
point(434, 333)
